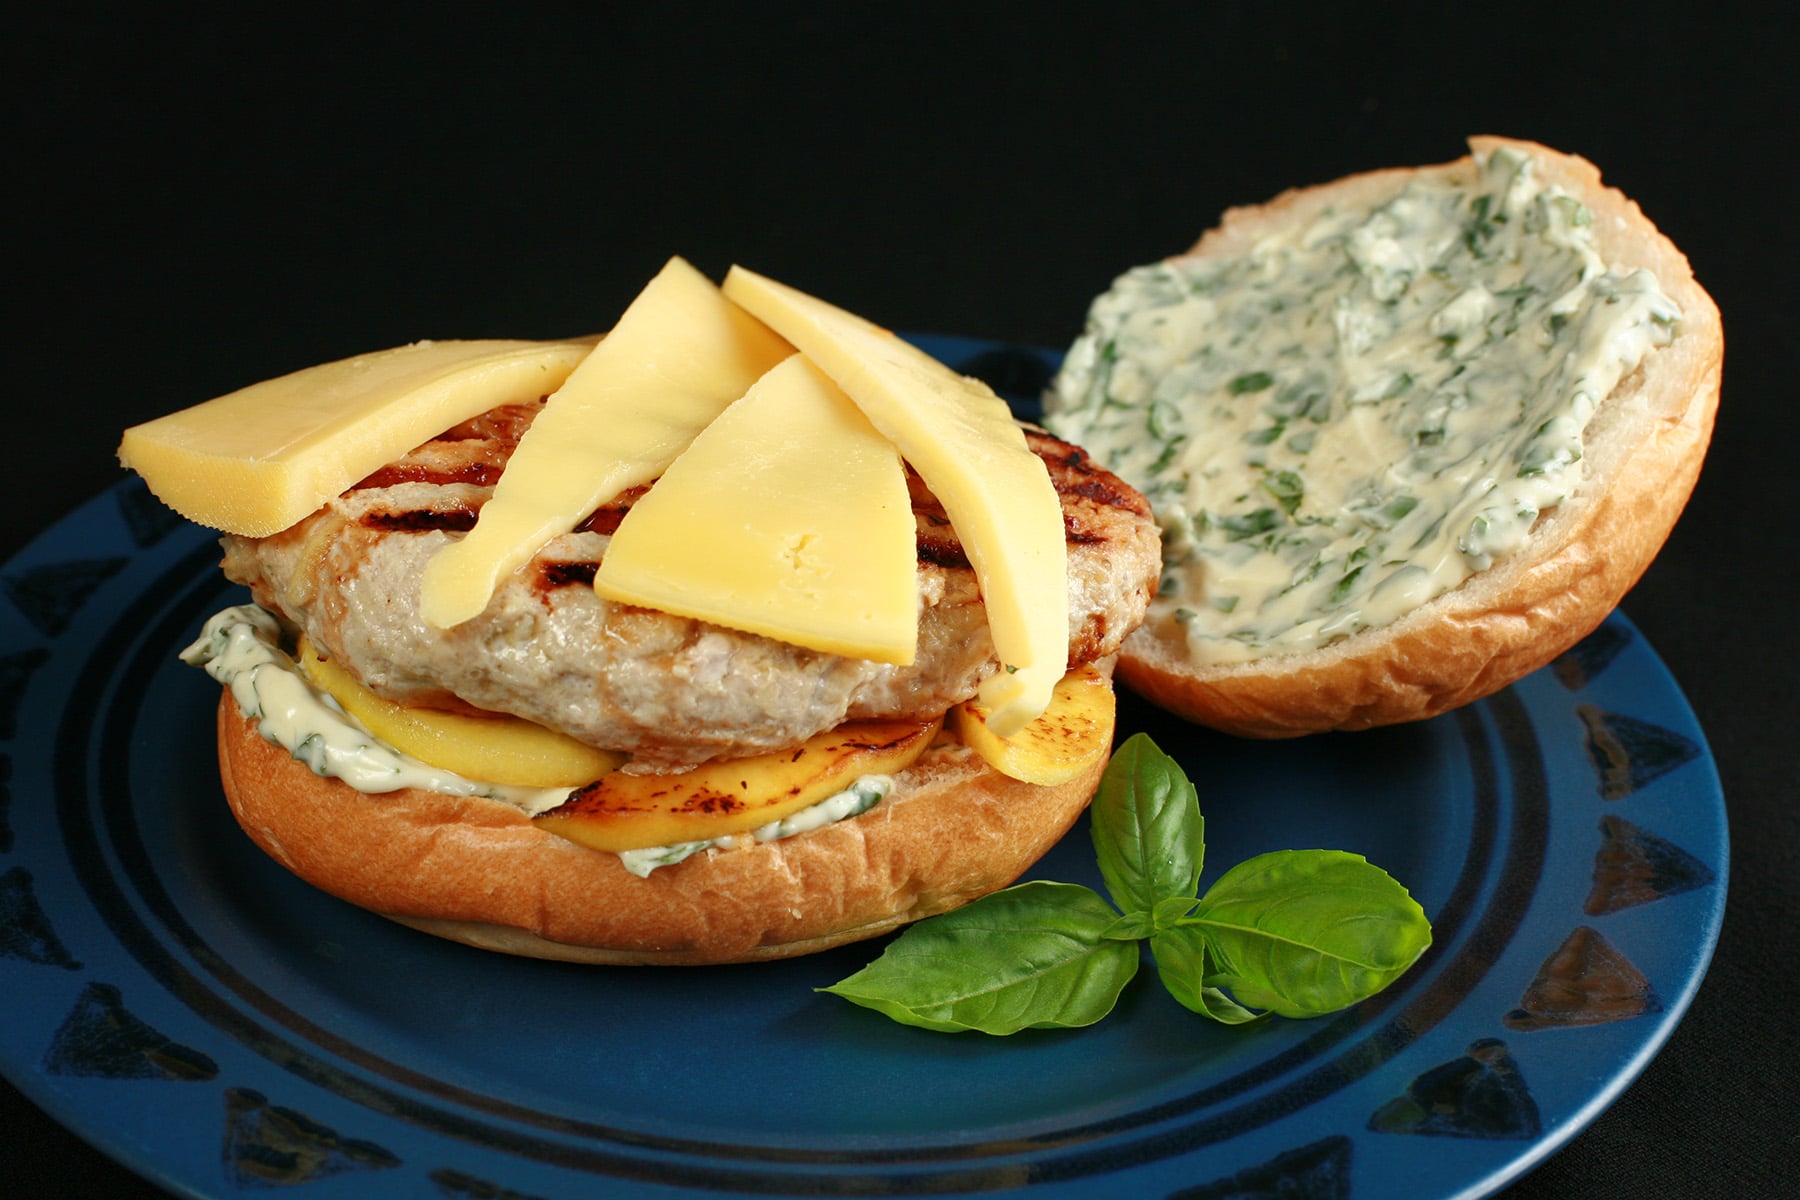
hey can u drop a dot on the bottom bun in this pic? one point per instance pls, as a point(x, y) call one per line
point(478, 871)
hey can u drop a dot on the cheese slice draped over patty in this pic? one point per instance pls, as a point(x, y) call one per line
point(787, 517)
point(259, 459)
point(962, 440)
point(676, 358)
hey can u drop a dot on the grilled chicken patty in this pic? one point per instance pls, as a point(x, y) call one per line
point(669, 690)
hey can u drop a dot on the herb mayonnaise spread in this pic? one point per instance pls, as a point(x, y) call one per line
point(1355, 414)
point(240, 647)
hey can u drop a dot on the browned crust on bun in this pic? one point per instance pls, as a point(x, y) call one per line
point(478, 871)
point(1642, 451)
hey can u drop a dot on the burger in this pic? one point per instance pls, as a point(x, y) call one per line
point(568, 774)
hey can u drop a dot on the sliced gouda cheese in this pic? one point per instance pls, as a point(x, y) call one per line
point(787, 517)
point(257, 460)
point(962, 440)
point(678, 356)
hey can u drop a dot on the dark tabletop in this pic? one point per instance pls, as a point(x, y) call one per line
point(200, 203)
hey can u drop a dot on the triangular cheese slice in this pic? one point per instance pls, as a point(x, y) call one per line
point(257, 460)
point(676, 358)
point(962, 440)
point(787, 517)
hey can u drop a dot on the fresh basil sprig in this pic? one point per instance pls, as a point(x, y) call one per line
point(1298, 933)
point(1035, 955)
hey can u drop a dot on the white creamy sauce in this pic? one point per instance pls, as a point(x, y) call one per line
point(1355, 416)
point(858, 798)
point(240, 647)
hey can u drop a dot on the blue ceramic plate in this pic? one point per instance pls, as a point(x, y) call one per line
point(194, 1011)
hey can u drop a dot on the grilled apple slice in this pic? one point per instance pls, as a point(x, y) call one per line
point(1053, 748)
point(623, 811)
point(495, 749)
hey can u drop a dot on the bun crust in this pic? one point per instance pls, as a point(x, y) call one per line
point(478, 871)
point(1642, 452)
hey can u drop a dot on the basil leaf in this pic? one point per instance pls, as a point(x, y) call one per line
point(1306, 932)
point(1181, 963)
point(1168, 911)
point(1132, 927)
point(1147, 829)
point(1139, 925)
point(1032, 956)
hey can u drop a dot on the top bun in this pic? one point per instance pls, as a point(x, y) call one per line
point(1640, 456)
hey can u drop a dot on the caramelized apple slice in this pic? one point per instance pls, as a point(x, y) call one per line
point(632, 812)
point(494, 749)
point(1070, 735)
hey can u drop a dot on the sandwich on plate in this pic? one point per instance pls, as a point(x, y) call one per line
point(743, 631)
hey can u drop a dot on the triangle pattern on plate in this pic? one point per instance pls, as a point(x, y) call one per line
point(1628, 753)
point(1480, 1095)
point(1635, 867)
point(25, 930)
point(267, 1145)
point(146, 518)
point(51, 594)
point(1588, 659)
point(102, 1038)
point(1587, 981)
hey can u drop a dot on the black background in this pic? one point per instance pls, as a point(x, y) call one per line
point(201, 201)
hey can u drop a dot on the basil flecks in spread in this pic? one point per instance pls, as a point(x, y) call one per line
point(1355, 415)
point(240, 647)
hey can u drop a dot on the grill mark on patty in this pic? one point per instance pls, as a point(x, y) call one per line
point(1079, 477)
point(942, 551)
point(1074, 534)
point(1087, 640)
point(474, 452)
point(567, 574)
point(946, 549)
point(1071, 474)
point(460, 519)
point(606, 518)
point(503, 426)
point(478, 474)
